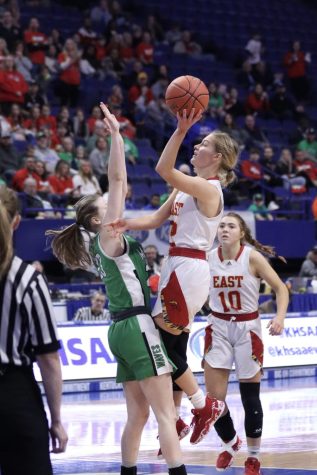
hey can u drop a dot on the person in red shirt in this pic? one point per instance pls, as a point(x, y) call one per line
point(69, 77)
point(140, 94)
point(13, 86)
point(46, 120)
point(21, 175)
point(61, 181)
point(145, 49)
point(295, 62)
point(257, 101)
point(252, 173)
point(306, 168)
point(94, 116)
point(35, 41)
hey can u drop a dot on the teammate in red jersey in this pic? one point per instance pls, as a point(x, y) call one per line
point(234, 332)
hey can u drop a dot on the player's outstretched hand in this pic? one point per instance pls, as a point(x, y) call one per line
point(118, 226)
point(185, 122)
point(110, 120)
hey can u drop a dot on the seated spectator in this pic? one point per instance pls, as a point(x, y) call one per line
point(44, 152)
point(26, 172)
point(85, 181)
point(30, 199)
point(281, 104)
point(154, 202)
point(95, 115)
point(263, 75)
point(309, 266)
point(34, 97)
point(129, 199)
point(152, 259)
point(46, 119)
point(96, 312)
point(306, 168)
point(254, 135)
point(80, 126)
point(10, 161)
point(251, 168)
point(268, 162)
point(216, 102)
point(258, 208)
point(258, 101)
point(99, 157)
point(309, 144)
point(233, 105)
point(68, 152)
point(233, 130)
point(42, 173)
point(287, 170)
point(186, 45)
point(131, 150)
point(140, 93)
point(61, 181)
point(127, 129)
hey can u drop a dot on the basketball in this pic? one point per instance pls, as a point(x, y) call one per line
point(186, 92)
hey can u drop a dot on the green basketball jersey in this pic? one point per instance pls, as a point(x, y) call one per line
point(125, 276)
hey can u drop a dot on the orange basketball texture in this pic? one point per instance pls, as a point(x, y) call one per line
point(186, 92)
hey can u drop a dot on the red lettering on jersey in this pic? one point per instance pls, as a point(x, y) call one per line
point(216, 281)
point(227, 281)
point(177, 206)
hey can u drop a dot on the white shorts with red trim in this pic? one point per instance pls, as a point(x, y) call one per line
point(185, 283)
point(234, 342)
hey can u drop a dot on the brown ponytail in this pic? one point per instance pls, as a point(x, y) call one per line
point(264, 249)
point(68, 244)
point(9, 208)
point(229, 150)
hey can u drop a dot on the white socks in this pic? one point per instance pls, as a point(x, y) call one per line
point(198, 399)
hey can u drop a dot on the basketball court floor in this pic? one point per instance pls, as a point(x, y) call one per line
point(95, 422)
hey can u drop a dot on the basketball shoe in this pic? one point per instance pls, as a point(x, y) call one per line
point(229, 450)
point(252, 466)
point(182, 429)
point(205, 417)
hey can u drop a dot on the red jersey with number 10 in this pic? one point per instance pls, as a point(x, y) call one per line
point(189, 227)
point(233, 289)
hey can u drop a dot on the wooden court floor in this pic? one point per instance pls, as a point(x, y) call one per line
point(95, 422)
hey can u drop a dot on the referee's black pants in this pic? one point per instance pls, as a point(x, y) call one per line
point(24, 434)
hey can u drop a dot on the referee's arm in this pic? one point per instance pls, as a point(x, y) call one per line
point(43, 331)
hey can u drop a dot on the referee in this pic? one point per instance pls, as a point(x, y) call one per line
point(27, 333)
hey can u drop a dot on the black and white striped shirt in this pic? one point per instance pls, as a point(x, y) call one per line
point(27, 323)
point(84, 314)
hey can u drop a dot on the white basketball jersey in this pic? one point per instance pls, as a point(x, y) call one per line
point(189, 227)
point(233, 288)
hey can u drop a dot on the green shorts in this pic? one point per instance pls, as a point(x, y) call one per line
point(136, 344)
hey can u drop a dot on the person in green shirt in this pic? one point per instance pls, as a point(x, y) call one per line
point(309, 144)
point(143, 366)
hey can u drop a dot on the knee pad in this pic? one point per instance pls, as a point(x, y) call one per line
point(176, 346)
point(250, 397)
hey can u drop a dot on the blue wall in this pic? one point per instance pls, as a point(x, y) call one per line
point(292, 239)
